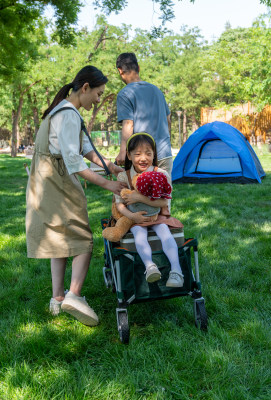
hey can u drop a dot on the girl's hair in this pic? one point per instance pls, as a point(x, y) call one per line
point(89, 74)
point(136, 141)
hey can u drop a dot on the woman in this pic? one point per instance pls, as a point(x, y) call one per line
point(57, 224)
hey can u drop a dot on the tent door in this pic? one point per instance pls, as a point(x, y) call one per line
point(216, 157)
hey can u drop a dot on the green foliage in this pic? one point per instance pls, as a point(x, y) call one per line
point(109, 6)
point(239, 63)
point(21, 27)
point(65, 20)
point(233, 69)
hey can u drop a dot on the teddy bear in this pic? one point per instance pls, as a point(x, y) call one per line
point(152, 184)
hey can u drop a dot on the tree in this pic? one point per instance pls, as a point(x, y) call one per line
point(31, 91)
point(175, 64)
point(19, 20)
point(191, 74)
point(240, 64)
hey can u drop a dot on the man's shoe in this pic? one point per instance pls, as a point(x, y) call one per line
point(55, 305)
point(175, 280)
point(79, 308)
point(152, 274)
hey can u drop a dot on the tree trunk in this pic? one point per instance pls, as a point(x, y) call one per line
point(93, 116)
point(99, 41)
point(15, 120)
point(33, 102)
point(184, 126)
point(15, 126)
point(194, 123)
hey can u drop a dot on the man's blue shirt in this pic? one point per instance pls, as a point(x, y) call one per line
point(145, 105)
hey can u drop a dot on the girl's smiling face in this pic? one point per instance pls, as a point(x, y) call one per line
point(141, 157)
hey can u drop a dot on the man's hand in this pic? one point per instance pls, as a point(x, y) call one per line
point(126, 132)
point(120, 159)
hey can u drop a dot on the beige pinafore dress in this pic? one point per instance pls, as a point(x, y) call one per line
point(57, 224)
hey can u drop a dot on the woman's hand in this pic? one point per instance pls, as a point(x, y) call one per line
point(116, 187)
point(131, 198)
point(139, 217)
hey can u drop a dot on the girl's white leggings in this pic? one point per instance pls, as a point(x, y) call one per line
point(169, 245)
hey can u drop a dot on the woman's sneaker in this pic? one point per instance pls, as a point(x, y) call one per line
point(175, 280)
point(152, 273)
point(55, 305)
point(79, 308)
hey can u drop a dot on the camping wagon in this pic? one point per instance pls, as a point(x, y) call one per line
point(124, 273)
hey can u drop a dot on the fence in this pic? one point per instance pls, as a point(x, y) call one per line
point(105, 138)
point(256, 126)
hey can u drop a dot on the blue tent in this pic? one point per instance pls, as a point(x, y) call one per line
point(215, 153)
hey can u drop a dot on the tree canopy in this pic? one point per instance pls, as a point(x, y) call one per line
point(191, 73)
point(22, 28)
point(20, 19)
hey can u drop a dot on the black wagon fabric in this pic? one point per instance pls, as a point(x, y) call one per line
point(133, 281)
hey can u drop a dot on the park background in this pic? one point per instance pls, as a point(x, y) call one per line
point(43, 357)
point(225, 71)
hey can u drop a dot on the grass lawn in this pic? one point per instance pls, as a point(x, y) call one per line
point(45, 357)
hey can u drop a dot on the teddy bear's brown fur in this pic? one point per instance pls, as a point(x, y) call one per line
point(123, 224)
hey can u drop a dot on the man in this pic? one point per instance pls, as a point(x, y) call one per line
point(141, 107)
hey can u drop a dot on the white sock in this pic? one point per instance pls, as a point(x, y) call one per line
point(142, 245)
point(169, 246)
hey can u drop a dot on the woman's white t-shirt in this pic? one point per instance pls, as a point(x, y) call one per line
point(64, 138)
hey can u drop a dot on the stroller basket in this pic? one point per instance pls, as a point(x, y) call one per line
point(124, 272)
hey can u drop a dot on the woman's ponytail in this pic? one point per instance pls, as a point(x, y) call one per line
point(61, 95)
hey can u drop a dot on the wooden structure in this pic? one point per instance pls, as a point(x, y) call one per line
point(256, 126)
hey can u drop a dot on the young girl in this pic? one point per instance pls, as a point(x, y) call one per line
point(141, 156)
point(57, 225)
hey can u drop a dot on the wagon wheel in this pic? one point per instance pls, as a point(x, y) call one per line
point(201, 318)
point(107, 277)
point(123, 326)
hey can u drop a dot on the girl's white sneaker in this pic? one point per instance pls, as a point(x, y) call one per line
point(152, 273)
point(175, 280)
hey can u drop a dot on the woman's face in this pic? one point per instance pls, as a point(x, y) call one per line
point(90, 96)
point(141, 157)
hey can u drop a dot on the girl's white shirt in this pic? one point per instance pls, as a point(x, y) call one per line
point(64, 138)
